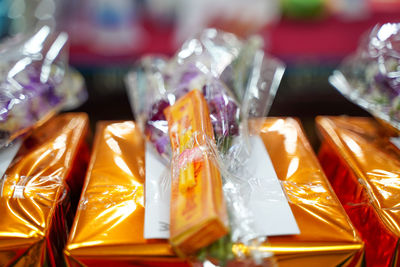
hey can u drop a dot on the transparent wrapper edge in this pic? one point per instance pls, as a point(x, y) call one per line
point(238, 82)
point(370, 77)
point(35, 81)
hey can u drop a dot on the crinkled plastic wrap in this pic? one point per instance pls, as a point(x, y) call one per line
point(237, 80)
point(39, 191)
point(35, 81)
point(363, 167)
point(371, 77)
point(113, 198)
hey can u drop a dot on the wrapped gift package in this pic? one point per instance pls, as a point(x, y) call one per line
point(362, 162)
point(108, 227)
point(39, 190)
point(327, 237)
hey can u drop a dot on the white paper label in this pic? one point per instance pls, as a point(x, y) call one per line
point(157, 196)
point(7, 154)
point(395, 141)
point(268, 202)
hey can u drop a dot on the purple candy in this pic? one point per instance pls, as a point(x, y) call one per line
point(390, 86)
point(157, 110)
point(223, 109)
point(162, 143)
point(159, 138)
point(32, 101)
point(186, 78)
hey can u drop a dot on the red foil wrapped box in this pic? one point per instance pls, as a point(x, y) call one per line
point(363, 166)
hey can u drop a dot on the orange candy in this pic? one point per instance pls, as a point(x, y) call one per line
point(198, 211)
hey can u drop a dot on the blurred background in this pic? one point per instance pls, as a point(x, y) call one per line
point(107, 37)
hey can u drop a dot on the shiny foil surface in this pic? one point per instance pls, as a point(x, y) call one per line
point(327, 237)
point(108, 228)
point(364, 169)
point(37, 192)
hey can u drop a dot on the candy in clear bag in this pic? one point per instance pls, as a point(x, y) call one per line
point(35, 81)
point(238, 83)
point(371, 76)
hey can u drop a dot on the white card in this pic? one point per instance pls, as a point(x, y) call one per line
point(157, 196)
point(7, 154)
point(268, 202)
point(395, 141)
point(272, 213)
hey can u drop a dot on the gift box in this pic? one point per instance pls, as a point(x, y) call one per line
point(39, 190)
point(362, 162)
point(108, 227)
point(327, 237)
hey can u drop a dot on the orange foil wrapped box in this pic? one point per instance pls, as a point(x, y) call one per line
point(108, 228)
point(363, 165)
point(38, 191)
point(327, 237)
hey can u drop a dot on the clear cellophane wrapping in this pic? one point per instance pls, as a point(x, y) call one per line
point(370, 77)
point(238, 82)
point(35, 81)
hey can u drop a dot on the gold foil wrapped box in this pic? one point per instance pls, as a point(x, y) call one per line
point(38, 191)
point(108, 228)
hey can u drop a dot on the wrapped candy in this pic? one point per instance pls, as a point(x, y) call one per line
point(371, 77)
point(113, 197)
point(236, 78)
point(362, 165)
point(39, 191)
point(35, 82)
point(237, 81)
point(198, 211)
